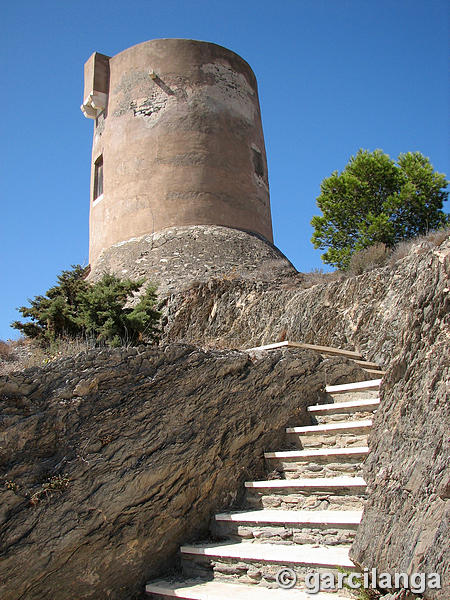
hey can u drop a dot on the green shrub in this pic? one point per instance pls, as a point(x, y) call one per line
point(100, 311)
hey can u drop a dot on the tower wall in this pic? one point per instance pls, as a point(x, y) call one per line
point(178, 141)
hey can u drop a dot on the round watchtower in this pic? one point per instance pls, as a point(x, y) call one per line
point(178, 141)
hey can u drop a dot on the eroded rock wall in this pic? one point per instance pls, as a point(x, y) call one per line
point(405, 527)
point(112, 459)
point(370, 313)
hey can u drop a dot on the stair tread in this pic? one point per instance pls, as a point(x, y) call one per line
point(352, 387)
point(316, 453)
point(195, 589)
point(309, 482)
point(292, 554)
point(364, 423)
point(332, 517)
point(336, 406)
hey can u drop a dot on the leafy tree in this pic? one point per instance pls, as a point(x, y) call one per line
point(100, 310)
point(375, 200)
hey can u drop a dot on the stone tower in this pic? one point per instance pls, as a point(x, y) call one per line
point(178, 155)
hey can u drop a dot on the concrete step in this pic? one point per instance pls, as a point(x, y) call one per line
point(326, 462)
point(294, 499)
point(327, 418)
point(330, 428)
point(274, 553)
point(317, 483)
point(353, 387)
point(286, 535)
point(321, 493)
point(293, 517)
point(315, 470)
point(217, 590)
point(259, 563)
point(344, 407)
point(326, 528)
point(331, 439)
point(351, 396)
point(324, 453)
point(309, 483)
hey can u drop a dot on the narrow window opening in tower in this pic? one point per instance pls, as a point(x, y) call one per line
point(258, 163)
point(98, 177)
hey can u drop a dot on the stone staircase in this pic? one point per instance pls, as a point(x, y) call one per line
point(303, 517)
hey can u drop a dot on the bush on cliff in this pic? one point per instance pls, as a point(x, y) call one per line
point(75, 308)
point(377, 201)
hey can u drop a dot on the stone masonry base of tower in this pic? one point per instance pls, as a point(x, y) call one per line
point(177, 256)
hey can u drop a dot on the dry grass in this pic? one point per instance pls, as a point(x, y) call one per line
point(379, 255)
point(17, 355)
point(368, 259)
point(429, 241)
point(317, 276)
point(6, 352)
point(303, 281)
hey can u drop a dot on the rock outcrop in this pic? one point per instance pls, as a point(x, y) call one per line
point(112, 459)
point(370, 313)
point(405, 527)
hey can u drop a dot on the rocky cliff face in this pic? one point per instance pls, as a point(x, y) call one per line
point(112, 459)
point(370, 313)
point(405, 527)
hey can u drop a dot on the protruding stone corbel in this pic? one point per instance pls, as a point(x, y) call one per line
point(94, 104)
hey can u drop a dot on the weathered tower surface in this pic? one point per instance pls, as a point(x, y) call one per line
point(178, 144)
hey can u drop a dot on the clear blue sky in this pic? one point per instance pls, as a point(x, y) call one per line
point(334, 76)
